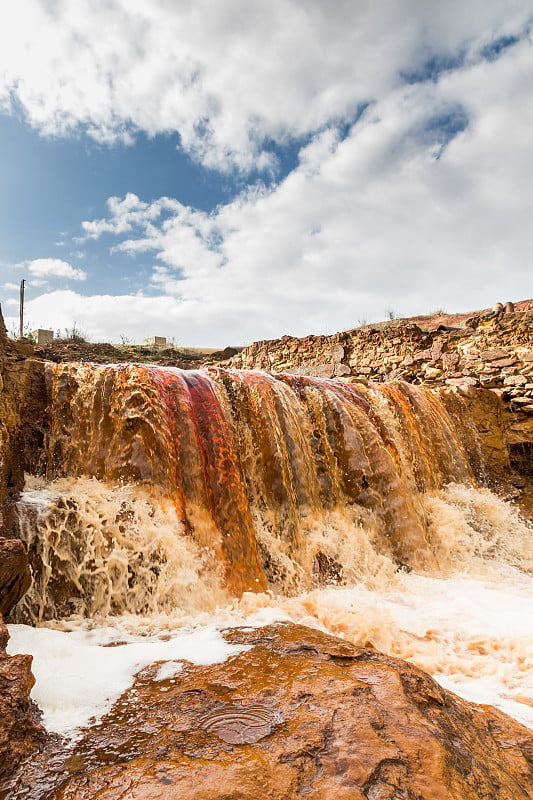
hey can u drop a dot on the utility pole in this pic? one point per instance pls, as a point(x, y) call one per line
point(22, 283)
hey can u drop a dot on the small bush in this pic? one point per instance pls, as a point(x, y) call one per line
point(73, 334)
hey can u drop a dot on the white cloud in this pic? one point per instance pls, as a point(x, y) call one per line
point(230, 75)
point(11, 287)
point(424, 202)
point(393, 215)
point(43, 268)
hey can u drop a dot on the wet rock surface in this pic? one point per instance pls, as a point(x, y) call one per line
point(22, 398)
point(15, 577)
point(20, 732)
point(337, 721)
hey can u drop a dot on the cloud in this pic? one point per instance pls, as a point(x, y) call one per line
point(410, 187)
point(402, 211)
point(234, 76)
point(108, 317)
point(11, 287)
point(43, 268)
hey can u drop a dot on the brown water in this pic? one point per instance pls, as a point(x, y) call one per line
point(161, 490)
point(169, 506)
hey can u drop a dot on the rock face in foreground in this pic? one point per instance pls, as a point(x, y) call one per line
point(20, 734)
point(300, 714)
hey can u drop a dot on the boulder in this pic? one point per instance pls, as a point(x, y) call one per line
point(341, 369)
point(299, 714)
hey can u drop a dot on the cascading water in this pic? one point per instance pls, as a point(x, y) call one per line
point(156, 480)
point(226, 497)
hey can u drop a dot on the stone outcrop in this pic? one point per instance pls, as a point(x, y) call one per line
point(493, 351)
point(485, 435)
point(299, 714)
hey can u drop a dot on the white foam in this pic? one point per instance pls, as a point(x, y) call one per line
point(473, 635)
point(41, 498)
point(488, 691)
point(78, 677)
point(168, 670)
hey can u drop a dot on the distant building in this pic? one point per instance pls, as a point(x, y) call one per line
point(155, 341)
point(42, 337)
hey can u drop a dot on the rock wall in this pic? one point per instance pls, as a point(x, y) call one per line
point(493, 351)
point(20, 732)
point(21, 411)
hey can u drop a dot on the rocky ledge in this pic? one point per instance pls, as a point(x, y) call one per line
point(492, 351)
point(299, 714)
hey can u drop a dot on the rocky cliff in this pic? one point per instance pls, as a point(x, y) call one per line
point(21, 398)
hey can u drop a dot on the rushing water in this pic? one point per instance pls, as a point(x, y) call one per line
point(172, 504)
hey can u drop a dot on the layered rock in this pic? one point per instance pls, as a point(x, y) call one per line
point(300, 714)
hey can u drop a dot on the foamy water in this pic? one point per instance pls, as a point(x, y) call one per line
point(467, 622)
point(474, 635)
point(81, 673)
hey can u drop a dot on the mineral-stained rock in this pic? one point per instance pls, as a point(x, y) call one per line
point(20, 734)
point(488, 441)
point(15, 577)
point(22, 400)
point(331, 721)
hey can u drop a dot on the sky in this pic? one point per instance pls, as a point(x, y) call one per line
point(223, 172)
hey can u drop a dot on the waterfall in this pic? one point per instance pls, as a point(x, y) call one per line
point(162, 489)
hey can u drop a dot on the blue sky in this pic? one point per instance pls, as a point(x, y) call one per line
point(220, 173)
point(50, 184)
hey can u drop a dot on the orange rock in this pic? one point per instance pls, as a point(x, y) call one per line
point(328, 720)
point(20, 734)
point(15, 578)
